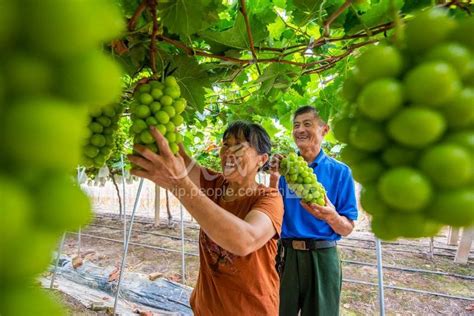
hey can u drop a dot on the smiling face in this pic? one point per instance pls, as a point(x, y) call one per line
point(308, 130)
point(239, 161)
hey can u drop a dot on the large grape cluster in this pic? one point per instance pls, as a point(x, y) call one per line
point(409, 128)
point(103, 129)
point(302, 180)
point(158, 104)
point(53, 68)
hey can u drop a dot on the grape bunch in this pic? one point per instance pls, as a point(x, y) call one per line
point(409, 128)
point(158, 104)
point(103, 129)
point(53, 69)
point(302, 180)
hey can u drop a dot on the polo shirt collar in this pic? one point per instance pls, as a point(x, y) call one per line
point(319, 158)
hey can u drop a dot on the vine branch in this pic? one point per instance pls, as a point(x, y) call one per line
point(335, 15)
point(152, 4)
point(243, 10)
point(133, 20)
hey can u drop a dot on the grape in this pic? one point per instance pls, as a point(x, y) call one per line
point(55, 125)
point(103, 126)
point(302, 180)
point(411, 145)
point(405, 189)
point(54, 71)
point(416, 127)
point(159, 108)
point(378, 62)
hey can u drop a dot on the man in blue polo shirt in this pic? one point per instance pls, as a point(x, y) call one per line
point(309, 263)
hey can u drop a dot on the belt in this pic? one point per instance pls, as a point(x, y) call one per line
point(308, 244)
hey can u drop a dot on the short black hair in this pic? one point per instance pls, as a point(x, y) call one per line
point(309, 109)
point(253, 133)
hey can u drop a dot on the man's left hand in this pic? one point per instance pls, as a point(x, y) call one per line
point(326, 213)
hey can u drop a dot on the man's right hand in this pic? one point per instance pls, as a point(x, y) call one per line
point(275, 170)
point(275, 165)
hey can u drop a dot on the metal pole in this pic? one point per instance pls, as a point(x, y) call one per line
point(124, 201)
point(80, 174)
point(183, 259)
point(378, 249)
point(124, 257)
point(60, 250)
point(79, 240)
point(123, 186)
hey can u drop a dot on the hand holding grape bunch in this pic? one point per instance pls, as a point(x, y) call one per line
point(302, 180)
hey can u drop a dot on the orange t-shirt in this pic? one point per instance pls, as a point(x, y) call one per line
point(229, 285)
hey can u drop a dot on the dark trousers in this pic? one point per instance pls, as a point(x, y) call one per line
point(310, 282)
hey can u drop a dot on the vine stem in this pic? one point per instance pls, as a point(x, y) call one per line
point(398, 34)
point(335, 15)
point(133, 20)
point(243, 10)
point(152, 4)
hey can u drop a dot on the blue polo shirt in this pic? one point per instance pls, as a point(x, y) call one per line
point(336, 178)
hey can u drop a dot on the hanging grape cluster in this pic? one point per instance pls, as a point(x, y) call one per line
point(409, 128)
point(302, 180)
point(53, 68)
point(103, 129)
point(158, 104)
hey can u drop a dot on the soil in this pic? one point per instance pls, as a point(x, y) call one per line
point(356, 251)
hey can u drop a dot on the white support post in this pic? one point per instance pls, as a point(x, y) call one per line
point(58, 255)
point(157, 204)
point(378, 249)
point(183, 258)
point(127, 241)
point(462, 254)
point(453, 235)
point(124, 200)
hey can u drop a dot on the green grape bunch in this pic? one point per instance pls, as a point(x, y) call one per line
point(54, 71)
point(302, 180)
point(158, 104)
point(409, 127)
point(103, 129)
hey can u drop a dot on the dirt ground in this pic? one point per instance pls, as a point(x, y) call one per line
point(356, 251)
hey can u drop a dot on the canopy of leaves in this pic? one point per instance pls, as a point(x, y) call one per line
point(253, 59)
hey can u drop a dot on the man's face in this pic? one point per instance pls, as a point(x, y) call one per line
point(308, 131)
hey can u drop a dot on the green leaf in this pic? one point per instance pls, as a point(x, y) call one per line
point(280, 3)
point(276, 28)
point(277, 76)
point(379, 13)
point(415, 5)
point(269, 125)
point(192, 78)
point(305, 10)
point(236, 37)
point(187, 17)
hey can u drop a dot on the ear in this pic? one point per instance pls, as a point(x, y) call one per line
point(263, 160)
point(326, 129)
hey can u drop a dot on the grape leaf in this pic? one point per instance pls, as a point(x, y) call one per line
point(192, 78)
point(185, 17)
point(236, 37)
point(279, 75)
point(379, 13)
point(276, 28)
